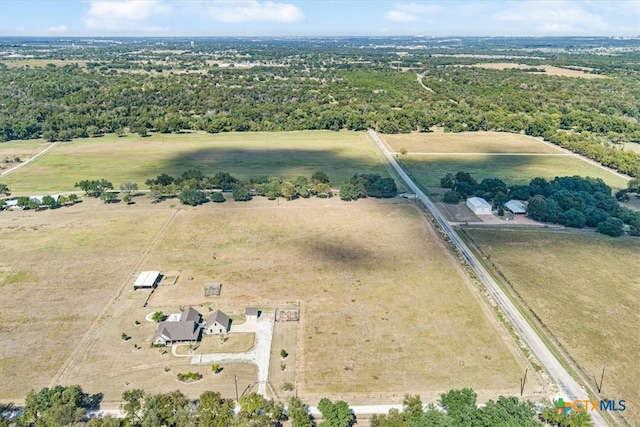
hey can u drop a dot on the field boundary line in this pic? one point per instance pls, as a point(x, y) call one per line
point(487, 154)
point(98, 320)
point(43, 152)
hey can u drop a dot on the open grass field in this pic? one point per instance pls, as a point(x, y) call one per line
point(516, 159)
point(549, 70)
point(245, 155)
point(470, 142)
point(22, 149)
point(585, 289)
point(384, 309)
point(428, 170)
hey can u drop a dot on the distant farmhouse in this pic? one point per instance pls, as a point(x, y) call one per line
point(186, 329)
point(479, 206)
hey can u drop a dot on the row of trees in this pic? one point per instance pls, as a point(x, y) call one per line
point(61, 406)
point(572, 201)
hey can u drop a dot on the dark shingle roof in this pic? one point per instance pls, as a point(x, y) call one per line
point(220, 318)
point(178, 331)
point(190, 314)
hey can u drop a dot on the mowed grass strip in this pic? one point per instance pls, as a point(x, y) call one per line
point(585, 289)
point(58, 269)
point(428, 170)
point(383, 307)
point(244, 155)
point(469, 142)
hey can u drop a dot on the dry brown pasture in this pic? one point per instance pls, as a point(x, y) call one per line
point(385, 310)
point(585, 289)
point(23, 149)
point(548, 69)
point(470, 142)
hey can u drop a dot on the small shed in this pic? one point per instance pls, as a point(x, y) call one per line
point(218, 323)
point(516, 207)
point(479, 206)
point(251, 314)
point(146, 280)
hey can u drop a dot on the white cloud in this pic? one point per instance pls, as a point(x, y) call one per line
point(60, 29)
point(554, 17)
point(251, 11)
point(418, 8)
point(411, 12)
point(124, 14)
point(399, 16)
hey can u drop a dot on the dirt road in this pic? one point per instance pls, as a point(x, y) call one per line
point(568, 388)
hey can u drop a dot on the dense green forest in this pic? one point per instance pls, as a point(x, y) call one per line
point(59, 90)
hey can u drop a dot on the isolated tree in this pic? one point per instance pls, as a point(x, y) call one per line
point(288, 190)
point(94, 188)
point(319, 177)
point(322, 190)
point(217, 197)
point(214, 411)
point(108, 197)
point(460, 405)
point(23, 202)
point(299, 413)
point(241, 194)
point(127, 199)
point(158, 316)
point(192, 197)
point(73, 198)
point(48, 201)
point(336, 414)
point(3, 205)
point(448, 181)
point(4, 190)
point(128, 187)
point(34, 204)
point(452, 197)
point(133, 405)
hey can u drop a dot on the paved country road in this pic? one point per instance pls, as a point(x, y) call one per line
point(569, 389)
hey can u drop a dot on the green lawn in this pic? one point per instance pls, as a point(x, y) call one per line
point(245, 155)
point(427, 170)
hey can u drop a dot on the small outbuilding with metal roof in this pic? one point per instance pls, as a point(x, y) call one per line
point(146, 280)
point(516, 207)
point(479, 206)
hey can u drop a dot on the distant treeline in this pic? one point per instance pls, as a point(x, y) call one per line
point(586, 116)
point(572, 201)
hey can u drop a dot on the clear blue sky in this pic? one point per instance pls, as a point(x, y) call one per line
point(322, 18)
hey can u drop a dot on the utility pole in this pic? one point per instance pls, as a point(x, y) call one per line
point(236, 380)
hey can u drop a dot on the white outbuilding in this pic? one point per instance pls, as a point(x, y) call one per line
point(479, 206)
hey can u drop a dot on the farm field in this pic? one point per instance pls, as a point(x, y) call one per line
point(384, 309)
point(549, 70)
point(483, 155)
point(584, 288)
point(470, 142)
point(244, 155)
point(22, 149)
